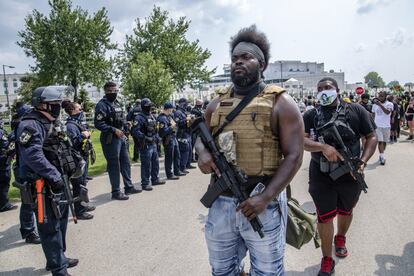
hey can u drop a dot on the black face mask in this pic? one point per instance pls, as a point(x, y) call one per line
point(146, 109)
point(111, 97)
point(54, 110)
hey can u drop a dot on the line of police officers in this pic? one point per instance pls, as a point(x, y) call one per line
point(48, 152)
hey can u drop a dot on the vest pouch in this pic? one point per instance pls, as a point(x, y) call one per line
point(324, 165)
point(25, 191)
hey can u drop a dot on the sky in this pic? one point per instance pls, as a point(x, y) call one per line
point(353, 36)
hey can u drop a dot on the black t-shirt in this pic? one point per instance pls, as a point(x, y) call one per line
point(357, 116)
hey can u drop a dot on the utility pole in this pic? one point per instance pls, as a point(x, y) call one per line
point(6, 91)
point(281, 76)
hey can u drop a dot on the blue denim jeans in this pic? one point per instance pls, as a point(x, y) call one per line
point(229, 235)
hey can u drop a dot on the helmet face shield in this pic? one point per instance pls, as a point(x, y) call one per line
point(55, 93)
point(50, 94)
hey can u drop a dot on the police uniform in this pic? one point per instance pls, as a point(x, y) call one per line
point(7, 152)
point(170, 143)
point(26, 216)
point(109, 116)
point(144, 129)
point(183, 137)
point(44, 154)
point(74, 128)
point(197, 112)
point(130, 117)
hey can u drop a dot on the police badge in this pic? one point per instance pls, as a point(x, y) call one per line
point(25, 137)
point(99, 116)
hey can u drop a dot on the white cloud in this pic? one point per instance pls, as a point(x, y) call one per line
point(361, 47)
point(397, 39)
point(366, 6)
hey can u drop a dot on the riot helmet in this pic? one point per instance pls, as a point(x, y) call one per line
point(51, 96)
point(183, 103)
point(146, 105)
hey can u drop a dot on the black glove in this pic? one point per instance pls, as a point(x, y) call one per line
point(57, 187)
point(149, 139)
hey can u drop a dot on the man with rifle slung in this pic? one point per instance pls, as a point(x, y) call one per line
point(264, 124)
point(44, 161)
point(332, 134)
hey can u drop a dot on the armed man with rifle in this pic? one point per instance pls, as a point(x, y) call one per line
point(332, 134)
point(80, 139)
point(250, 142)
point(46, 162)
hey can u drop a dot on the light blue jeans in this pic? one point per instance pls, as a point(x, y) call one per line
point(229, 235)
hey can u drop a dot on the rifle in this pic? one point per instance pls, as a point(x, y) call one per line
point(351, 163)
point(231, 177)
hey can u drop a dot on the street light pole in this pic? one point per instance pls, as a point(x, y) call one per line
point(281, 77)
point(6, 91)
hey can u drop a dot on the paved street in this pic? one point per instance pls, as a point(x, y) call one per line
point(161, 232)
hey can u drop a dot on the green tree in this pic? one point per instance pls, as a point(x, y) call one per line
point(393, 84)
point(84, 100)
point(373, 79)
point(166, 40)
point(146, 77)
point(29, 83)
point(68, 45)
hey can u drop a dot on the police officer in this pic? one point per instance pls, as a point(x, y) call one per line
point(130, 117)
point(167, 132)
point(6, 155)
point(80, 138)
point(339, 196)
point(109, 119)
point(26, 217)
point(144, 128)
point(197, 111)
point(44, 155)
point(183, 121)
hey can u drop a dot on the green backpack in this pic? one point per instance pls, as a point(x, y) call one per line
point(301, 225)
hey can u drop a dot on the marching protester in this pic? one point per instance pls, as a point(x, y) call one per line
point(382, 110)
point(228, 232)
point(335, 197)
point(110, 120)
point(144, 129)
point(409, 114)
point(80, 138)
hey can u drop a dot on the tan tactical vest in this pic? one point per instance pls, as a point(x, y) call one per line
point(257, 147)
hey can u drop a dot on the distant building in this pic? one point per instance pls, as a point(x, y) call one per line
point(12, 83)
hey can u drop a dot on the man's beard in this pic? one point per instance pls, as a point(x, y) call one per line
point(246, 80)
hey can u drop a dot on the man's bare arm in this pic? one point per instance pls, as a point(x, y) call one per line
point(288, 120)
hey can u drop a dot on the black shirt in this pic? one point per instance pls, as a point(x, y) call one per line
point(357, 116)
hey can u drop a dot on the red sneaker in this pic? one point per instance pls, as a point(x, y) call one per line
point(327, 267)
point(340, 248)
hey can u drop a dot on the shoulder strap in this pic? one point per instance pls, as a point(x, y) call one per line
point(76, 124)
point(236, 111)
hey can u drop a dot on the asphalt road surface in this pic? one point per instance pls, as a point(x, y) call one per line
point(161, 232)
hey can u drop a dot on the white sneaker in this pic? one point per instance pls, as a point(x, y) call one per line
point(382, 160)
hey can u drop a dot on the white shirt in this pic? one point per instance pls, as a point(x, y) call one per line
point(382, 119)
